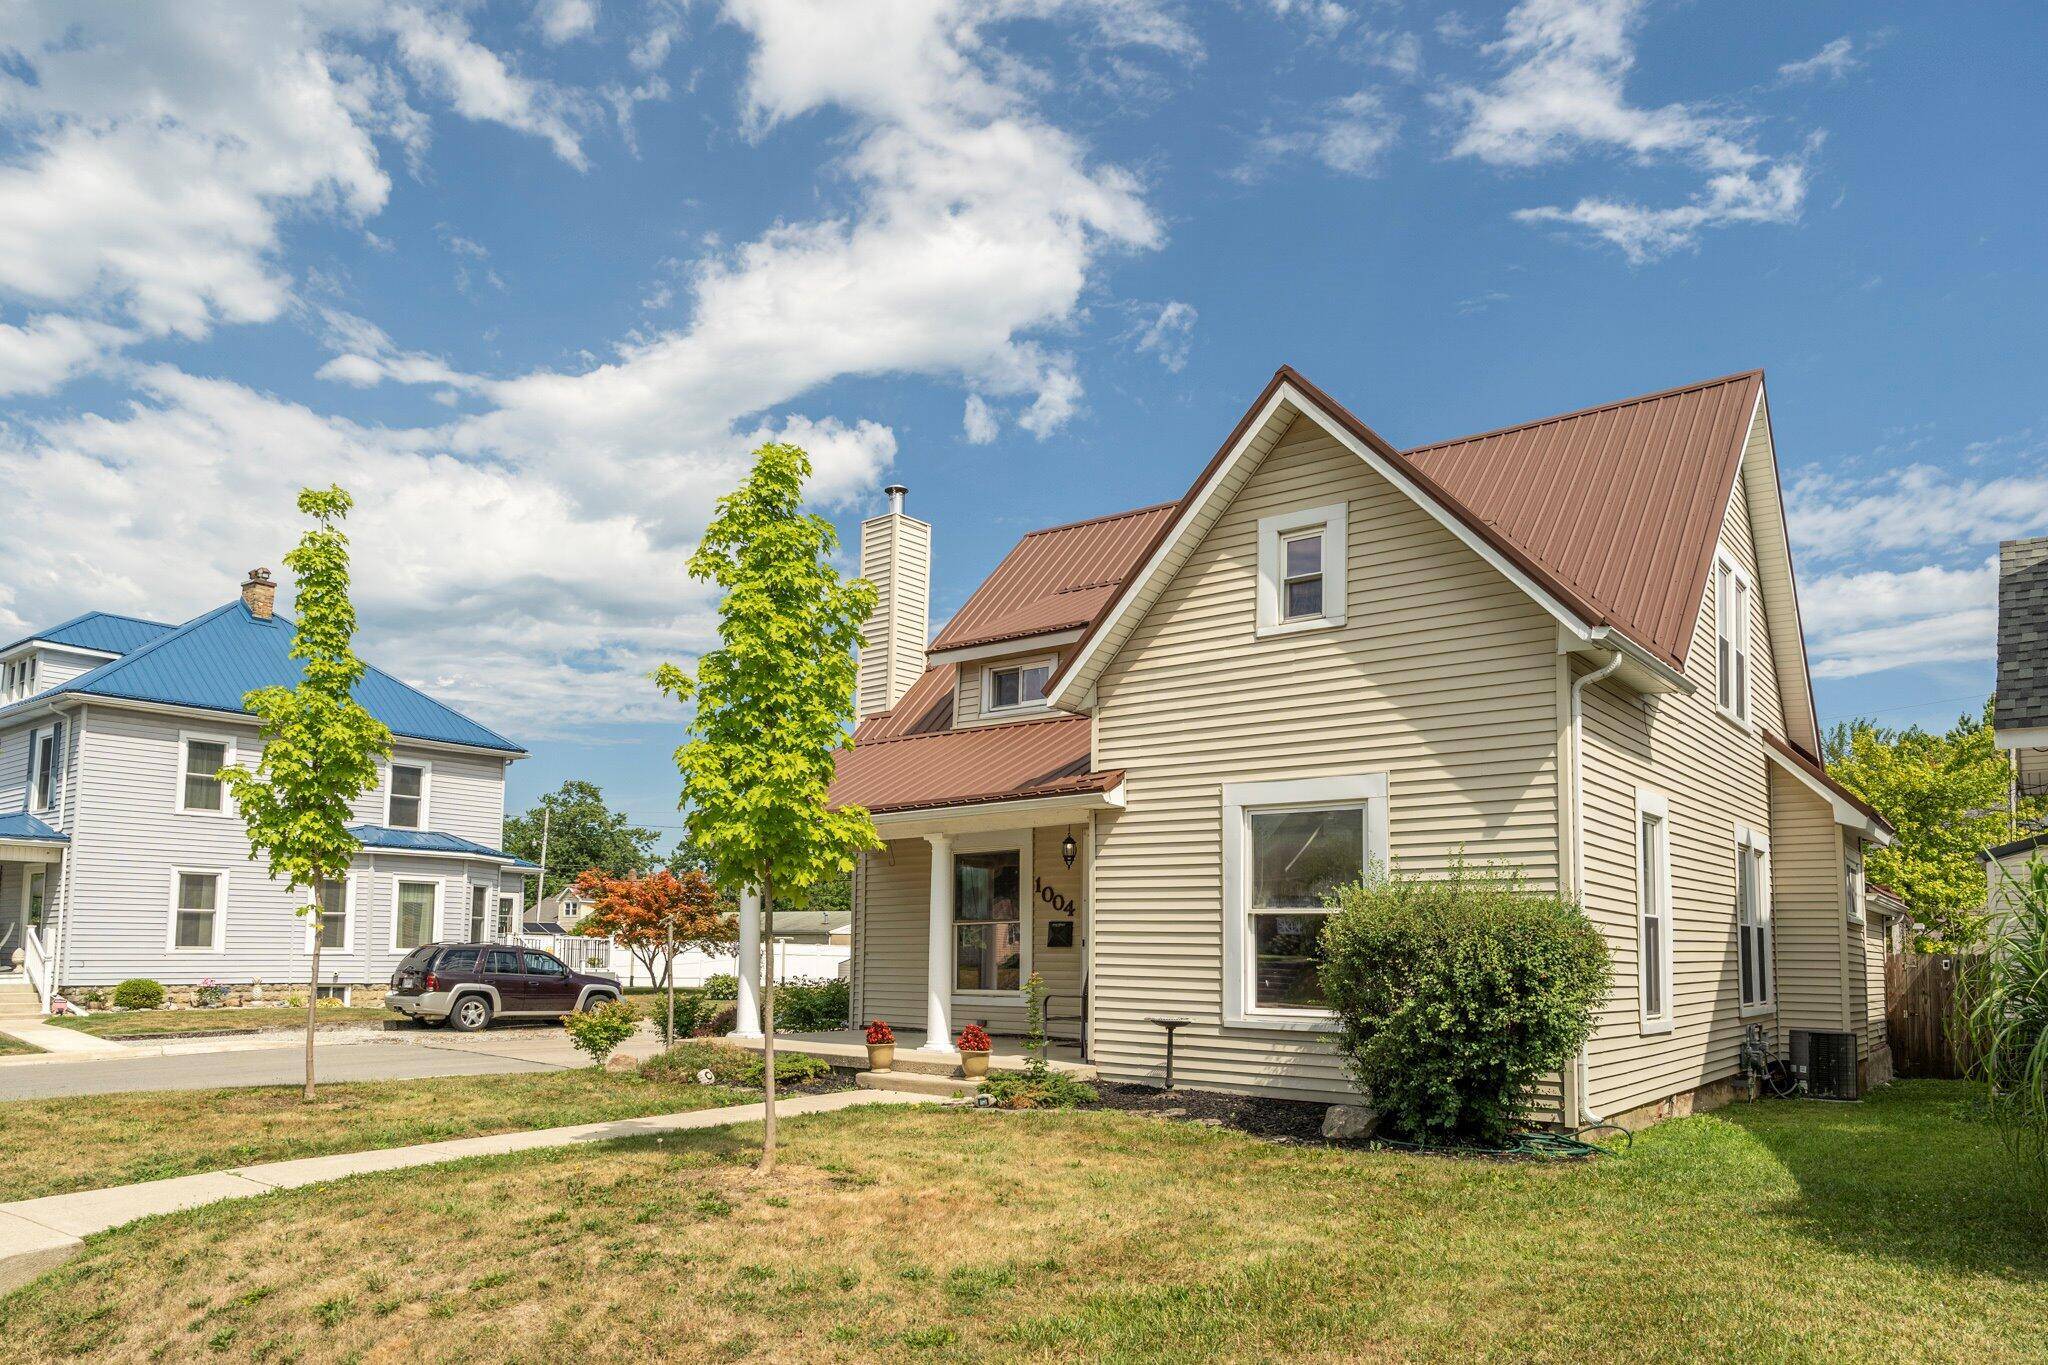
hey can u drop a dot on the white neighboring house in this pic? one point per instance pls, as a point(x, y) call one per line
point(809, 945)
point(121, 854)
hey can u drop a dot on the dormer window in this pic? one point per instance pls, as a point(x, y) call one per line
point(1016, 687)
point(405, 798)
point(1302, 567)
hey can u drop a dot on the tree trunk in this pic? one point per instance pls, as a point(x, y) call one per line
point(767, 969)
point(313, 984)
point(668, 1039)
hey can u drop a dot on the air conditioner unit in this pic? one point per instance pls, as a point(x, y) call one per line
point(1825, 1063)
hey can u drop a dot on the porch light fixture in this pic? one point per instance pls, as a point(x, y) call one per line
point(1067, 849)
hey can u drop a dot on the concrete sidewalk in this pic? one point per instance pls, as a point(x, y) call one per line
point(63, 1042)
point(37, 1235)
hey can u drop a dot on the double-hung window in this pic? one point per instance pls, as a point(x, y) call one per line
point(332, 921)
point(416, 915)
point(1852, 886)
point(1016, 687)
point(198, 912)
point(1732, 604)
point(1653, 906)
point(508, 914)
point(988, 921)
point(200, 759)
point(479, 913)
point(405, 796)
point(1287, 848)
point(46, 771)
point(1753, 919)
point(1302, 567)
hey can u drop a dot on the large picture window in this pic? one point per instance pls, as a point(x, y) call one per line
point(1288, 848)
point(1753, 919)
point(988, 928)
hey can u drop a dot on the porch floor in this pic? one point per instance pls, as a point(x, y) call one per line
point(847, 1048)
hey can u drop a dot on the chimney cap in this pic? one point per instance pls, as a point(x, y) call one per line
point(259, 575)
point(896, 492)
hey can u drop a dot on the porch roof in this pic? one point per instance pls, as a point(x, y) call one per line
point(1021, 760)
point(21, 827)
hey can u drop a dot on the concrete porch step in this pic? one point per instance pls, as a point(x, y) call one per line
point(917, 1083)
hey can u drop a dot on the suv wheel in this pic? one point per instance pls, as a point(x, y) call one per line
point(593, 1000)
point(472, 1014)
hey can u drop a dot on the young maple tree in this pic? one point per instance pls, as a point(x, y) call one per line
point(654, 918)
point(320, 747)
point(773, 704)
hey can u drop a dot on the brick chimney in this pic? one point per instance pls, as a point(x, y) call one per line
point(895, 556)
point(259, 594)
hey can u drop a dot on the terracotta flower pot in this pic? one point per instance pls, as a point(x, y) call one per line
point(974, 1065)
point(881, 1056)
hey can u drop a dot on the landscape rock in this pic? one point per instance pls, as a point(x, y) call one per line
point(1350, 1122)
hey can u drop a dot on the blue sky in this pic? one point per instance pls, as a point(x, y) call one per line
point(531, 278)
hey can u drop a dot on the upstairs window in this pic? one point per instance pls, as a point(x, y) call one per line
point(1732, 595)
point(200, 789)
point(47, 767)
point(1017, 687)
point(1852, 887)
point(1302, 569)
point(405, 800)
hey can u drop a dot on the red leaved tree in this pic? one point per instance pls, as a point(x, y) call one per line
point(654, 918)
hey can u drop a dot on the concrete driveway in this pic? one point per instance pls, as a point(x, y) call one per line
point(402, 1056)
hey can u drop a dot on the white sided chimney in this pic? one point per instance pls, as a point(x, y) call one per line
point(895, 556)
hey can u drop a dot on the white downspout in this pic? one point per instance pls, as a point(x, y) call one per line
point(1578, 800)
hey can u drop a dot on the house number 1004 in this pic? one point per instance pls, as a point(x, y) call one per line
point(1052, 897)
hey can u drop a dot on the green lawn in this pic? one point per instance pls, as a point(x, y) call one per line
point(1787, 1230)
point(93, 1141)
point(228, 1019)
point(14, 1047)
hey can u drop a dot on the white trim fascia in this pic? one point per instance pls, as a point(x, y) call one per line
point(1026, 708)
point(32, 850)
point(400, 879)
point(348, 919)
point(502, 861)
point(998, 648)
point(2021, 737)
point(1654, 803)
point(220, 912)
point(218, 714)
point(1845, 814)
point(1369, 789)
point(1033, 811)
point(1274, 530)
point(227, 800)
point(426, 795)
point(39, 643)
point(1067, 688)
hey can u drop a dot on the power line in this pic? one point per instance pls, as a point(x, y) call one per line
point(1909, 706)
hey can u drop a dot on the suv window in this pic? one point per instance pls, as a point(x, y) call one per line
point(540, 964)
point(418, 958)
point(459, 960)
point(503, 961)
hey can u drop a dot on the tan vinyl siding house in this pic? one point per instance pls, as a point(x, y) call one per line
point(1402, 646)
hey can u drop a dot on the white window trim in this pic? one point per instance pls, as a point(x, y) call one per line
point(220, 911)
point(1336, 568)
point(40, 740)
point(1742, 708)
point(399, 879)
point(490, 895)
point(1020, 841)
point(1748, 841)
point(507, 921)
point(426, 792)
point(1051, 663)
point(1239, 800)
point(348, 919)
point(227, 800)
point(1652, 804)
point(1855, 882)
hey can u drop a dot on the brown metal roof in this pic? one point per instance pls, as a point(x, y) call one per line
point(1622, 503)
point(968, 767)
point(926, 707)
point(1055, 579)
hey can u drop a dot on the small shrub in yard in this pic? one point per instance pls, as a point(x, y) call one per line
point(730, 1066)
point(812, 1006)
point(1457, 994)
point(209, 994)
point(1052, 1090)
point(720, 986)
point(598, 1032)
point(716, 1018)
point(138, 993)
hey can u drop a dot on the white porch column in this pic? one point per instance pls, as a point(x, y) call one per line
point(938, 1035)
point(748, 1024)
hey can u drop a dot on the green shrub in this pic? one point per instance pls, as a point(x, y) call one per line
point(812, 1006)
point(716, 1018)
point(2004, 996)
point(1022, 1090)
point(597, 1032)
point(138, 993)
point(1457, 995)
point(730, 1066)
point(720, 986)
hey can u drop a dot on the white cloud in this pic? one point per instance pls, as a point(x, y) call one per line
point(51, 349)
point(561, 20)
point(1561, 92)
point(1350, 136)
point(1835, 60)
point(1324, 18)
point(438, 50)
point(978, 422)
point(1169, 334)
point(1920, 508)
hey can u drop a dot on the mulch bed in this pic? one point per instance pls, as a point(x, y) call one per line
point(1294, 1121)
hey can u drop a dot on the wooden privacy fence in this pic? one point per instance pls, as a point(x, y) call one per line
point(1920, 1015)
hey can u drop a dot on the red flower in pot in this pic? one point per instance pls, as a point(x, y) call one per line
point(879, 1033)
point(881, 1046)
point(974, 1046)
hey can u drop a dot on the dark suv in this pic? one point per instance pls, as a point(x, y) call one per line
point(466, 985)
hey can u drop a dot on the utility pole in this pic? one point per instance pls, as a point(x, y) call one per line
point(540, 889)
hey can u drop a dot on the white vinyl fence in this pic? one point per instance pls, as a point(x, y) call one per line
point(793, 961)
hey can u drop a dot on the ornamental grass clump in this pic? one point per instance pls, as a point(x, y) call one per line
point(1457, 994)
point(2004, 996)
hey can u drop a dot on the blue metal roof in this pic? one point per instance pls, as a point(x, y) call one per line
point(20, 825)
point(99, 631)
point(213, 661)
point(432, 841)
